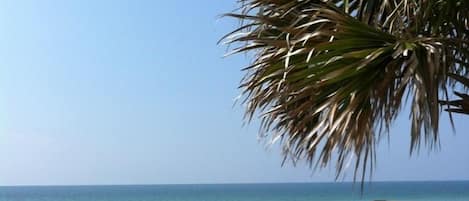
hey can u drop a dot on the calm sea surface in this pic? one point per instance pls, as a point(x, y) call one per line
point(402, 191)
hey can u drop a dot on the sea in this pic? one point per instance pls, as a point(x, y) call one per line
point(389, 191)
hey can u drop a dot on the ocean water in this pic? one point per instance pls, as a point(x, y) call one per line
point(396, 191)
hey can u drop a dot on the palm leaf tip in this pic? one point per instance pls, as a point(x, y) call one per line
point(460, 105)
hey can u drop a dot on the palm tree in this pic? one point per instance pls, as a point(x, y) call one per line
point(330, 76)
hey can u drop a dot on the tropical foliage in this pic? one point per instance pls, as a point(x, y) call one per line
point(330, 76)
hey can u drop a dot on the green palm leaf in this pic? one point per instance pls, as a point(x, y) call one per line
point(330, 77)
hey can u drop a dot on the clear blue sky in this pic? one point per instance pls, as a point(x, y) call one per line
point(126, 92)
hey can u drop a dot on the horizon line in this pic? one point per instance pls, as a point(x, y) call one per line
point(228, 183)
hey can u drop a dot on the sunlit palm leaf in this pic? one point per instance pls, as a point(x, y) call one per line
point(330, 77)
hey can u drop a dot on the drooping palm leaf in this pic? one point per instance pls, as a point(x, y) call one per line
point(329, 77)
point(460, 105)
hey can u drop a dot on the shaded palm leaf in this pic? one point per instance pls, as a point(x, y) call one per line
point(460, 105)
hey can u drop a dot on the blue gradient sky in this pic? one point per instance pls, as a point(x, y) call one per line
point(127, 92)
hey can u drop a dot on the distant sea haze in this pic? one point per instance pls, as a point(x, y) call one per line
point(396, 191)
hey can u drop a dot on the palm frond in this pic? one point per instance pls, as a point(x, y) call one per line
point(330, 77)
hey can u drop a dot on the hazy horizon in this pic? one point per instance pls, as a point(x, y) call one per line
point(247, 183)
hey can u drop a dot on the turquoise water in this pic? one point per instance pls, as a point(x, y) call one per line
point(397, 191)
